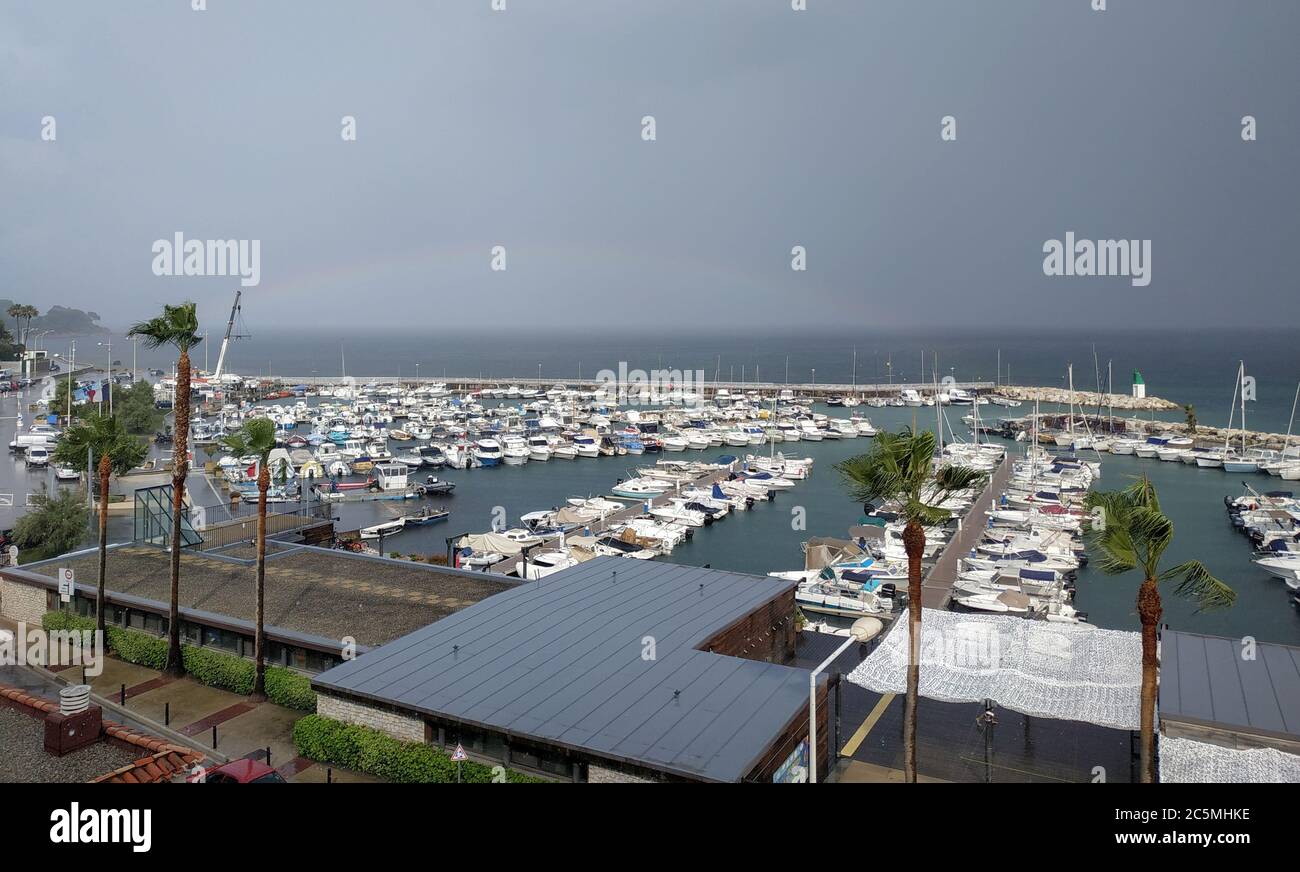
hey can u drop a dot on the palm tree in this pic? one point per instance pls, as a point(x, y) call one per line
point(1190, 411)
point(177, 326)
point(15, 311)
point(257, 437)
point(1128, 531)
point(30, 312)
point(900, 468)
point(101, 436)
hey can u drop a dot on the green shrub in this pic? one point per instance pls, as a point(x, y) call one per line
point(213, 668)
point(218, 670)
point(367, 750)
point(290, 689)
point(135, 646)
point(54, 621)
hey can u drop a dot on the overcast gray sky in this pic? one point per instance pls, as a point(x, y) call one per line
point(775, 128)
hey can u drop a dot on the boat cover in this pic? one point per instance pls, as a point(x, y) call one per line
point(1074, 672)
point(489, 542)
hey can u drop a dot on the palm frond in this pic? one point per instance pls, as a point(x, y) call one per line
point(1196, 582)
point(89, 439)
point(177, 325)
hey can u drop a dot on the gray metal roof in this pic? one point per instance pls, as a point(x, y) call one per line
point(1205, 679)
point(561, 660)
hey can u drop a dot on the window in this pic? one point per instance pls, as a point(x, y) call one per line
point(317, 662)
point(84, 606)
point(221, 639)
point(524, 757)
point(277, 652)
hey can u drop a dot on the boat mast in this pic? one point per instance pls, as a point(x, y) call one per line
point(938, 406)
point(1243, 408)
point(1232, 411)
point(1070, 371)
point(225, 342)
point(1110, 395)
point(1287, 442)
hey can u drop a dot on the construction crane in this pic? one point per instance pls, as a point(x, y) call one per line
point(225, 342)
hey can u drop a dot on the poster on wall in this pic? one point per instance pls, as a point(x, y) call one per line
point(795, 768)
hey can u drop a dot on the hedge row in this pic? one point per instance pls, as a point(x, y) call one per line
point(363, 749)
point(213, 668)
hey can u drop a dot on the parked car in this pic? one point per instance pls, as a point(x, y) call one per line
point(37, 455)
point(238, 772)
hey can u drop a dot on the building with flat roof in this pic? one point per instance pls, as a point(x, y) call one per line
point(316, 598)
point(613, 670)
point(1230, 693)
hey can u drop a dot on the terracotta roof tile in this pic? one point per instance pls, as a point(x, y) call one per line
point(162, 763)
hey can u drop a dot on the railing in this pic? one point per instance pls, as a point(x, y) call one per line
point(232, 523)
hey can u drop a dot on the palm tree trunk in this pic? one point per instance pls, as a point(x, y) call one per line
point(1149, 611)
point(259, 636)
point(180, 467)
point(105, 468)
point(914, 543)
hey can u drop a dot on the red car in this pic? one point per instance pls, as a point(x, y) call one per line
point(238, 772)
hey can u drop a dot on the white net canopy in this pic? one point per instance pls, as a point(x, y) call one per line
point(1069, 671)
point(1187, 761)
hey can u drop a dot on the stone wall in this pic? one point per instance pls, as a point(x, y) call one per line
point(407, 728)
point(601, 775)
point(22, 602)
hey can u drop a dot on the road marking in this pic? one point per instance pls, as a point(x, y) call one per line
point(851, 747)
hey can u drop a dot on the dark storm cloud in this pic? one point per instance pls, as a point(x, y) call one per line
point(775, 128)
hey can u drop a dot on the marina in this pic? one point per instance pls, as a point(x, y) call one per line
point(335, 436)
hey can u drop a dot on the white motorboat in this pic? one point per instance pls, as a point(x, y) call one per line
point(679, 515)
point(544, 564)
point(539, 448)
point(487, 452)
point(587, 446)
point(1283, 566)
point(640, 488)
point(387, 528)
point(597, 507)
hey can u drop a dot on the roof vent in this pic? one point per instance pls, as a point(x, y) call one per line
point(74, 699)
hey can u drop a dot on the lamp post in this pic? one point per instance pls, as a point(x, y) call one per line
point(108, 384)
point(72, 376)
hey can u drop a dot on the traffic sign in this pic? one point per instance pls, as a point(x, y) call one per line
point(67, 580)
point(459, 754)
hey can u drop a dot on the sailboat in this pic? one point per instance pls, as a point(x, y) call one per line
point(1233, 461)
point(1287, 464)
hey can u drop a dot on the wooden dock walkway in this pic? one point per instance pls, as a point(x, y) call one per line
point(936, 587)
